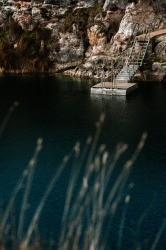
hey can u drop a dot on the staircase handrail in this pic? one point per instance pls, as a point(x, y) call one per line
point(136, 57)
point(132, 48)
point(118, 64)
point(147, 34)
point(136, 27)
point(124, 53)
point(146, 39)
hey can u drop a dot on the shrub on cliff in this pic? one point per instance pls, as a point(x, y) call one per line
point(21, 49)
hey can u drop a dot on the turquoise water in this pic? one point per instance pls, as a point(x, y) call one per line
point(62, 111)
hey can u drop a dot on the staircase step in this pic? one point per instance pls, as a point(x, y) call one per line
point(135, 60)
point(124, 73)
point(136, 64)
point(142, 44)
point(127, 75)
point(120, 79)
point(123, 79)
point(144, 41)
point(131, 66)
point(119, 75)
point(128, 66)
point(122, 76)
point(127, 72)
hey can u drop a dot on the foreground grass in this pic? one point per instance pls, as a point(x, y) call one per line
point(93, 197)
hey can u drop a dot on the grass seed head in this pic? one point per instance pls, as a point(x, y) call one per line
point(85, 183)
point(127, 199)
point(89, 140)
point(105, 158)
point(102, 148)
point(31, 162)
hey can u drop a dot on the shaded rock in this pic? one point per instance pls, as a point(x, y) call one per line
point(160, 50)
point(159, 67)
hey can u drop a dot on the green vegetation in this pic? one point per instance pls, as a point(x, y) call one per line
point(82, 17)
point(21, 49)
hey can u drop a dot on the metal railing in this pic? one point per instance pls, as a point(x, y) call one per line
point(121, 61)
point(145, 41)
point(135, 57)
point(142, 51)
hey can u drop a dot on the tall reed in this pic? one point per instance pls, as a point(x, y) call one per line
point(93, 195)
point(7, 117)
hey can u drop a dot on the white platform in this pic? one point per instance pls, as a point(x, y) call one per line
point(106, 88)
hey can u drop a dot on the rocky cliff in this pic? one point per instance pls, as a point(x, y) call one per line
point(79, 38)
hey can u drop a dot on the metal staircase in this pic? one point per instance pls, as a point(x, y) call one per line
point(135, 59)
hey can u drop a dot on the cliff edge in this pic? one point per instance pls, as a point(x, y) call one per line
point(80, 38)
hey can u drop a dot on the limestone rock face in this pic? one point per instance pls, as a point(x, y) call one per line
point(23, 17)
point(97, 40)
point(100, 34)
point(112, 3)
point(67, 48)
point(158, 5)
point(134, 22)
point(86, 33)
point(63, 47)
point(160, 67)
point(160, 50)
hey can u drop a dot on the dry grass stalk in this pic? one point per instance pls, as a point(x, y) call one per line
point(7, 117)
point(89, 206)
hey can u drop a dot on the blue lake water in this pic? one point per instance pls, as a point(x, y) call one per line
point(62, 112)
